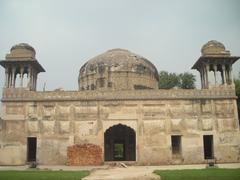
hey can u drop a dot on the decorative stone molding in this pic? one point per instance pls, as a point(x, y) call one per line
point(174, 94)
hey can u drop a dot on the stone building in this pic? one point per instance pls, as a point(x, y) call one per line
point(118, 113)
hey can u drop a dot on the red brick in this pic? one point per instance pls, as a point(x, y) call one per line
point(84, 154)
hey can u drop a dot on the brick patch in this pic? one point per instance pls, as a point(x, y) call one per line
point(84, 154)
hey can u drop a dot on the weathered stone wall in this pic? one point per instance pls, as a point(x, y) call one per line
point(119, 80)
point(84, 155)
point(62, 119)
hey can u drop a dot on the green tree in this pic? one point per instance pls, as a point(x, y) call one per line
point(187, 80)
point(168, 80)
point(237, 88)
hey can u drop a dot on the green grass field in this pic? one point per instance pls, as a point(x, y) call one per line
point(42, 175)
point(200, 174)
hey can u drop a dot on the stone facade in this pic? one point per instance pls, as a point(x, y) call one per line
point(150, 126)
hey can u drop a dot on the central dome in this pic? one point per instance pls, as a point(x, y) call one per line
point(118, 69)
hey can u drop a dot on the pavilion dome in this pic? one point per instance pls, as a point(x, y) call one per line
point(21, 51)
point(214, 48)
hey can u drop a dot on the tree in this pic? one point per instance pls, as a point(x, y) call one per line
point(170, 80)
point(237, 89)
point(187, 80)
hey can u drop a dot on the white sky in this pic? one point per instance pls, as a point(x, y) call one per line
point(66, 33)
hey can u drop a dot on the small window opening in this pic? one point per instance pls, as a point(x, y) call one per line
point(176, 145)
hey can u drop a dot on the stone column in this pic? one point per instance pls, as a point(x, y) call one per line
point(207, 75)
point(34, 84)
point(36, 81)
point(227, 74)
point(10, 78)
point(13, 77)
point(21, 75)
point(231, 75)
point(215, 73)
point(29, 75)
point(32, 80)
point(224, 74)
point(6, 78)
point(203, 78)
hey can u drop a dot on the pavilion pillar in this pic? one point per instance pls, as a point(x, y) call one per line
point(29, 75)
point(207, 75)
point(231, 75)
point(204, 77)
point(6, 78)
point(224, 74)
point(227, 74)
point(21, 76)
point(13, 77)
point(215, 73)
point(201, 76)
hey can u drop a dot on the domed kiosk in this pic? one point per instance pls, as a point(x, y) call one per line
point(118, 69)
point(20, 61)
point(215, 58)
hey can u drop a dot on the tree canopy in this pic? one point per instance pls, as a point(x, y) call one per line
point(170, 80)
point(187, 80)
point(237, 88)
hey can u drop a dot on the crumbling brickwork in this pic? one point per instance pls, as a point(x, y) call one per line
point(84, 154)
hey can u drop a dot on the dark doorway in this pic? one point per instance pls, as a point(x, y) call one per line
point(176, 145)
point(31, 149)
point(120, 143)
point(208, 146)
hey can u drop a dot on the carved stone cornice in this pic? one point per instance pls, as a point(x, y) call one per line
point(21, 94)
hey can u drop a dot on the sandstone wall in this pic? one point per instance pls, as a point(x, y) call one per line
point(60, 120)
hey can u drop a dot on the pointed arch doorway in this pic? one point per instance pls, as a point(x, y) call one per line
point(120, 143)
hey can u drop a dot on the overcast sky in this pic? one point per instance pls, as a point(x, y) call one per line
point(67, 33)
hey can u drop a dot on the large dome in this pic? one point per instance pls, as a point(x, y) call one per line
point(121, 59)
point(117, 64)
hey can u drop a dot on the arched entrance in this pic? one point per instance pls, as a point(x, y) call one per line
point(120, 143)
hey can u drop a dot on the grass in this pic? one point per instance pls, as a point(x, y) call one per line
point(199, 174)
point(42, 175)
